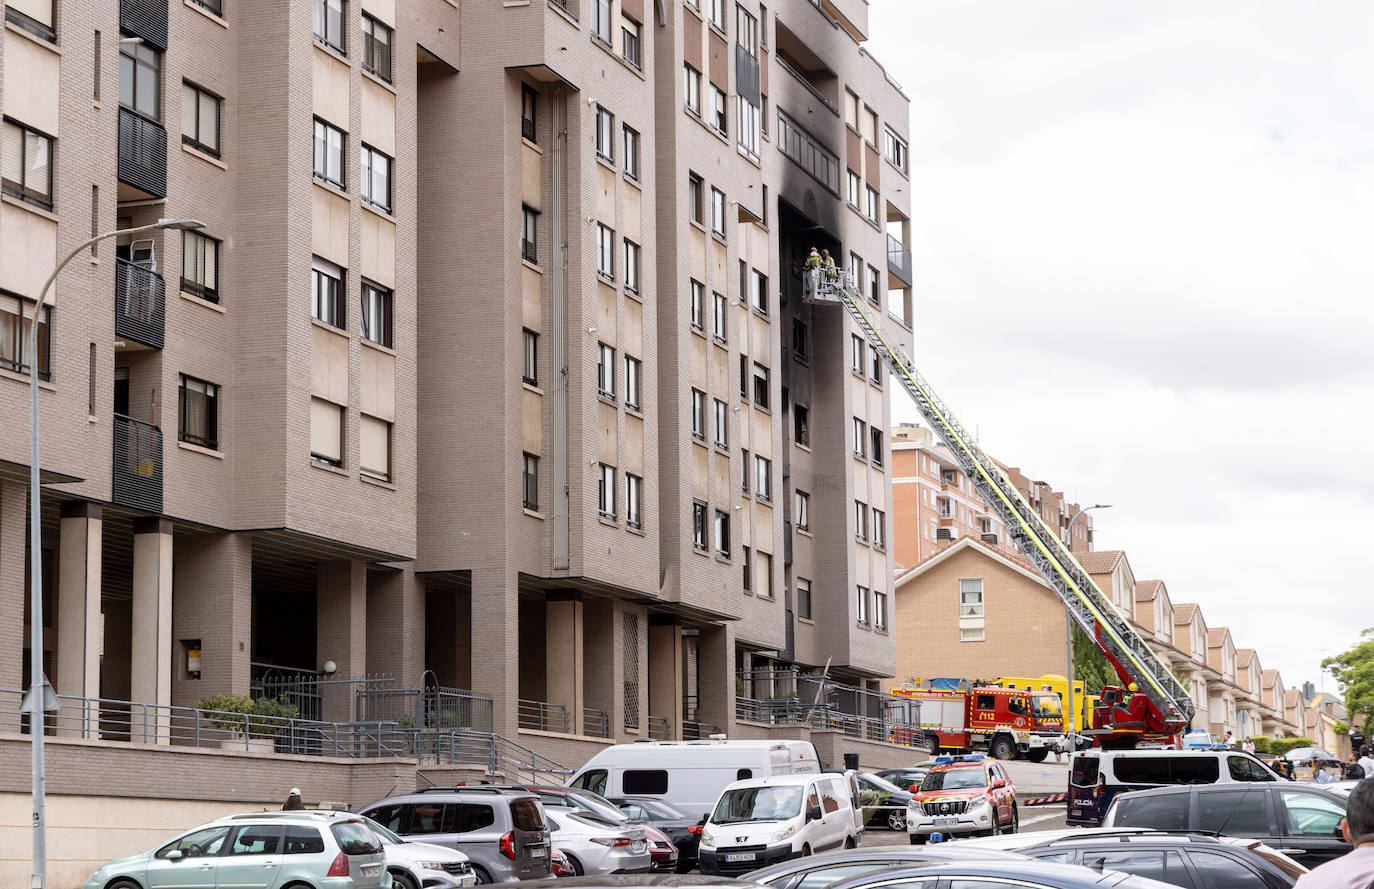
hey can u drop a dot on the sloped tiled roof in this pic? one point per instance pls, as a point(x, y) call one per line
point(1216, 636)
point(1292, 697)
point(1183, 613)
point(1268, 678)
point(1101, 561)
point(1146, 590)
point(1244, 656)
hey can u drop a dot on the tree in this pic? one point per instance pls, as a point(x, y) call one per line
point(1090, 666)
point(1354, 671)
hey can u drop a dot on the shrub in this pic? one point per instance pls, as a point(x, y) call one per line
point(264, 718)
point(1280, 746)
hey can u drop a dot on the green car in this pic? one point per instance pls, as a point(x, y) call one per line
point(317, 849)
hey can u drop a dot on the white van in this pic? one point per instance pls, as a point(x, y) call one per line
point(691, 774)
point(762, 821)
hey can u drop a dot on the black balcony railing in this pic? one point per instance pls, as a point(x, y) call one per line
point(137, 464)
point(140, 304)
point(142, 153)
point(146, 19)
point(899, 260)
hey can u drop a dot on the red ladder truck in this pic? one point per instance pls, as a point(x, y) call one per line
point(1004, 722)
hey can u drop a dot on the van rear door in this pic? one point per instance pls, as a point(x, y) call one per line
point(1085, 805)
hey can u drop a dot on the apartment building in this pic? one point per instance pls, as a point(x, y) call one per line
point(489, 363)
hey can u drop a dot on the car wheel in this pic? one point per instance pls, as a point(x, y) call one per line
point(896, 820)
point(123, 884)
point(806, 850)
point(481, 874)
point(1002, 748)
point(1015, 821)
point(851, 843)
point(996, 825)
point(575, 865)
point(402, 880)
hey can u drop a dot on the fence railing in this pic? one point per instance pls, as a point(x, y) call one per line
point(697, 731)
point(142, 153)
point(660, 728)
point(804, 81)
point(137, 469)
point(596, 723)
point(792, 697)
point(543, 716)
point(140, 304)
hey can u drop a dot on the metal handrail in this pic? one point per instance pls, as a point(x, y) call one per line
point(660, 728)
point(596, 723)
point(542, 716)
point(801, 78)
point(697, 731)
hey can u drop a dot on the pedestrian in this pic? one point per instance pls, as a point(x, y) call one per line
point(1249, 745)
point(1353, 770)
point(1230, 740)
point(1319, 773)
point(293, 801)
point(1355, 869)
point(1367, 761)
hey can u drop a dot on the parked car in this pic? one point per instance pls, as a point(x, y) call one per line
point(1300, 820)
point(559, 863)
point(647, 881)
point(884, 802)
point(502, 832)
point(257, 852)
point(1304, 759)
point(962, 796)
point(822, 870)
point(661, 849)
point(597, 846)
point(681, 828)
point(1097, 776)
point(909, 777)
point(415, 865)
point(996, 874)
point(765, 820)
point(570, 797)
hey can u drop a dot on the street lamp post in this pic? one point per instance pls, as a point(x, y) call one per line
point(1068, 621)
point(40, 697)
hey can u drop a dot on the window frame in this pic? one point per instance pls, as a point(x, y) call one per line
point(696, 199)
point(763, 478)
point(529, 234)
point(371, 57)
point(801, 510)
point(860, 439)
point(698, 408)
point(605, 251)
point(529, 481)
point(700, 529)
point(630, 43)
point(210, 397)
point(605, 371)
point(630, 147)
point(20, 338)
point(367, 173)
point(322, 131)
point(338, 312)
point(717, 212)
point(720, 317)
point(696, 308)
point(801, 425)
point(321, 8)
point(343, 416)
point(529, 113)
point(720, 111)
point(875, 444)
point(43, 30)
point(871, 204)
point(803, 597)
point(632, 266)
point(758, 291)
point(605, 134)
point(762, 384)
point(601, 21)
point(691, 87)
point(21, 189)
point(634, 494)
point(878, 528)
point(860, 521)
point(721, 533)
point(717, 15)
point(529, 349)
point(199, 288)
point(721, 430)
point(634, 372)
point(978, 610)
point(879, 610)
point(605, 492)
point(861, 600)
point(372, 472)
point(377, 311)
point(152, 59)
point(195, 141)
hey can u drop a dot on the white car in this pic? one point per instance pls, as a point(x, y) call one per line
point(597, 846)
point(422, 865)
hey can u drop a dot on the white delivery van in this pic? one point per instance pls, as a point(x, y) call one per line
point(691, 774)
point(762, 821)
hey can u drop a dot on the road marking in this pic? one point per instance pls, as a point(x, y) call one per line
point(1043, 816)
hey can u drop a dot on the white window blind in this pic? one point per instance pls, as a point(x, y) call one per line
point(326, 430)
point(38, 10)
point(374, 452)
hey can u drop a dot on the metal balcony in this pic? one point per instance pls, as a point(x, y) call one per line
point(140, 304)
point(899, 260)
point(142, 153)
point(137, 464)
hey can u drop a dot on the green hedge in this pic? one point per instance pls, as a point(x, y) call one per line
point(1280, 746)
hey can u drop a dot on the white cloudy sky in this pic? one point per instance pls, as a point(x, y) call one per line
point(1142, 245)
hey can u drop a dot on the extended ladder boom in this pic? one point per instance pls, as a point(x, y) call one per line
point(1169, 700)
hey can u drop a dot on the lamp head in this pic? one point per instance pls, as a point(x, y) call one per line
point(179, 224)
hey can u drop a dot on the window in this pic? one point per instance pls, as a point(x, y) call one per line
point(879, 610)
point(1163, 811)
point(875, 365)
point(763, 477)
point(631, 158)
point(326, 294)
point(605, 251)
point(875, 294)
point(698, 414)
point(718, 316)
point(200, 111)
point(376, 176)
point(801, 510)
point(851, 110)
point(744, 473)
point(601, 20)
point(971, 598)
point(875, 444)
point(1223, 871)
point(697, 311)
point(605, 492)
point(198, 417)
point(748, 125)
point(16, 315)
point(870, 126)
point(851, 191)
point(1310, 815)
point(200, 265)
point(746, 30)
point(871, 204)
point(722, 529)
point(201, 844)
point(26, 164)
point(605, 370)
point(530, 488)
point(1236, 813)
point(879, 529)
point(763, 570)
point(629, 42)
point(719, 121)
point(631, 266)
point(718, 13)
point(140, 73)
point(698, 525)
point(860, 438)
point(692, 88)
point(529, 108)
point(644, 781)
point(803, 149)
point(744, 377)
point(605, 133)
point(696, 202)
point(326, 431)
point(856, 353)
point(718, 212)
point(971, 635)
point(860, 520)
point(861, 603)
point(800, 339)
point(748, 565)
point(803, 598)
point(529, 341)
point(329, 142)
point(300, 840)
point(761, 386)
point(722, 424)
point(801, 426)
point(894, 149)
point(633, 491)
point(376, 48)
point(33, 16)
point(760, 291)
point(529, 234)
point(374, 450)
point(633, 369)
point(329, 20)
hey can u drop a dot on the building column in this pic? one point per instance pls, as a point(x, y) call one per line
point(495, 648)
point(340, 631)
point(212, 576)
point(716, 676)
point(396, 624)
point(150, 639)
point(13, 539)
point(79, 626)
point(605, 662)
point(564, 658)
point(665, 673)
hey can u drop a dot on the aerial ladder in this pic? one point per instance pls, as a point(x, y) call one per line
point(1152, 704)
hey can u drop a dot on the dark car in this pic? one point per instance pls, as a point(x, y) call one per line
point(884, 802)
point(1193, 861)
point(996, 874)
point(681, 828)
point(904, 778)
point(1301, 821)
point(648, 881)
point(817, 871)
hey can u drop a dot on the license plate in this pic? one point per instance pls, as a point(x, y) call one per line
point(945, 822)
point(536, 851)
point(370, 870)
point(740, 856)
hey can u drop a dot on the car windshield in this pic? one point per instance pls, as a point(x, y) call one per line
point(880, 783)
point(1046, 706)
point(758, 804)
point(600, 805)
point(954, 779)
point(660, 809)
point(385, 835)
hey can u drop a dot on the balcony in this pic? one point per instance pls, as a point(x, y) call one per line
point(137, 464)
point(899, 261)
point(146, 19)
point(142, 154)
point(140, 304)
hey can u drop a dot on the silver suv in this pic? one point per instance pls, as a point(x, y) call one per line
point(502, 832)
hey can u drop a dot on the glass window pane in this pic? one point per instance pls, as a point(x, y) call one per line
point(1306, 814)
point(209, 122)
point(36, 163)
point(189, 104)
point(1224, 872)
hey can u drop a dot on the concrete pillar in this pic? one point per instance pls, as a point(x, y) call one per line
point(665, 673)
point(564, 661)
point(79, 627)
point(13, 537)
point(495, 644)
point(716, 676)
point(212, 576)
point(150, 674)
point(340, 630)
point(396, 624)
point(605, 662)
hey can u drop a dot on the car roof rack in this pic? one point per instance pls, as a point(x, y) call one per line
point(464, 788)
point(1109, 833)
